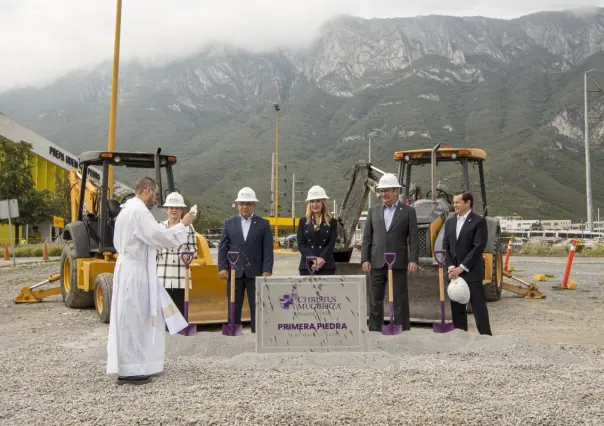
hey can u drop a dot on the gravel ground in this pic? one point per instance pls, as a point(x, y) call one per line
point(544, 365)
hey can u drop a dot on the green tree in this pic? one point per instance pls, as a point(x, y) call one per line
point(59, 199)
point(16, 181)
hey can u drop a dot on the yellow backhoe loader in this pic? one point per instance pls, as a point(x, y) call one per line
point(88, 258)
point(432, 212)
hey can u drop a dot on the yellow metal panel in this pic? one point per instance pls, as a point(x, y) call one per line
point(208, 296)
point(434, 230)
point(286, 222)
point(474, 153)
point(204, 257)
point(88, 269)
point(488, 268)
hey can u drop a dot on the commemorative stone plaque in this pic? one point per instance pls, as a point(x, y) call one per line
point(311, 313)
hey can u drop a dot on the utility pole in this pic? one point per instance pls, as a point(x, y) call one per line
point(273, 185)
point(370, 192)
point(276, 216)
point(293, 196)
point(114, 84)
point(598, 115)
point(590, 224)
point(294, 182)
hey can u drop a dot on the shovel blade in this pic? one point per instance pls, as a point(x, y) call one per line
point(442, 327)
point(392, 329)
point(190, 330)
point(232, 330)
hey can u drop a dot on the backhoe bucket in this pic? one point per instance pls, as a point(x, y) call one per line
point(424, 301)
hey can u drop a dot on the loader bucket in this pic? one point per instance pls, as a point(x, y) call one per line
point(424, 301)
point(209, 301)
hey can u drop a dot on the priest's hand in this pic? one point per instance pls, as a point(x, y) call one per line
point(223, 275)
point(188, 219)
point(267, 274)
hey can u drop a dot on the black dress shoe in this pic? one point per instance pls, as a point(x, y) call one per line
point(133, 380)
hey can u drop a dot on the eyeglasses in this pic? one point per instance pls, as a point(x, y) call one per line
point(383, 190)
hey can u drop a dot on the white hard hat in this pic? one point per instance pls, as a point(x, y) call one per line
point(316, 193)
point(389, 180)
point(246, 194)
point(175, 200)
point(459, 291)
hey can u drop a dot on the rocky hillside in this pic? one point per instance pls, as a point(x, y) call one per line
point(511, 87)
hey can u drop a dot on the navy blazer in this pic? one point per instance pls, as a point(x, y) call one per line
point(468, 248)
point(318, 243)
point(255, 254)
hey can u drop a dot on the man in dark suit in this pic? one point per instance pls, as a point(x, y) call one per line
point(390, 227)
point(252, 237)
point(465, 239)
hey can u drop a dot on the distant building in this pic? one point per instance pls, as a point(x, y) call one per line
point(49, 163)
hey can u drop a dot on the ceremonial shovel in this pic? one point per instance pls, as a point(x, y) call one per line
point(391, 329)
point(309, 262)
point(232, 329)
point(187, 258)
point(443, 327)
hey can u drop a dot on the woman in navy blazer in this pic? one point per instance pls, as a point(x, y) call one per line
point(317, 233)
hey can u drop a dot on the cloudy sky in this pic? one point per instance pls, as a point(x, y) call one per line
point(43, 39)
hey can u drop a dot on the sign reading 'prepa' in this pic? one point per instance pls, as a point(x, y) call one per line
point(311, 313)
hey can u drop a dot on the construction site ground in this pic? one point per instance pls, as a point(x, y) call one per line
point(544, 365)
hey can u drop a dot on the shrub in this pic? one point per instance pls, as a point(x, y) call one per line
point(37, 250)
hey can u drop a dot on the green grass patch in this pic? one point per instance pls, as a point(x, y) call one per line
point(37, 250)
point(537, 249)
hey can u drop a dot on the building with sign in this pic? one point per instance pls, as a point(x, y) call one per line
point(50, 163)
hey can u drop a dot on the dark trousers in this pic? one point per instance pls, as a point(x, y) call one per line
point(379, 291)
point(319, 272)
point(479, 309)
point(242, 285)
point(178, 297)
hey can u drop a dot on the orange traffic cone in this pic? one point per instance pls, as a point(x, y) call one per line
point(5, 252)
point(45, 252)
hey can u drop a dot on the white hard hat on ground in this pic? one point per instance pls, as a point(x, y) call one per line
point(246, 195)
point(175, 200)
point(459, 291)
point(389, 180)
point(316, 193)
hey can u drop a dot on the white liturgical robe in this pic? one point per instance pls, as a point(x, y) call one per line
point(140, 306)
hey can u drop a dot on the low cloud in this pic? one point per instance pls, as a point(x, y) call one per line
point(42, 40)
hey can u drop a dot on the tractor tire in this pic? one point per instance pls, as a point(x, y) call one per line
point(73, 297)
point(492, 291)
point(103, 290)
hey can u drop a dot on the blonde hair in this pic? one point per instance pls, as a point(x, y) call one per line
point(324, 213)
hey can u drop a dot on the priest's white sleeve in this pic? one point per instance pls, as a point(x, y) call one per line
point(155, 235)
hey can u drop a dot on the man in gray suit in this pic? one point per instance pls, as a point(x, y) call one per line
point(252, 237)
point(390, 227)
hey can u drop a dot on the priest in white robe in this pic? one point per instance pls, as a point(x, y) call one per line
point(140, 306)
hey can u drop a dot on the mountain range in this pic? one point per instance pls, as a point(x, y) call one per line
point(511, 87)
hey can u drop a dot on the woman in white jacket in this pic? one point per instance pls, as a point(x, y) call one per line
point(170, 267)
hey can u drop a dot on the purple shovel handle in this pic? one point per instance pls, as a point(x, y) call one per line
point(309, 261)
point(439, 256)
point(187, 257)
point(233, 257)
point(393, 255)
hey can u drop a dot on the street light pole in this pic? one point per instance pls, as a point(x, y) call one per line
point(590, 223)
point(276, 243)
point(370, 192)
point(114, 85)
